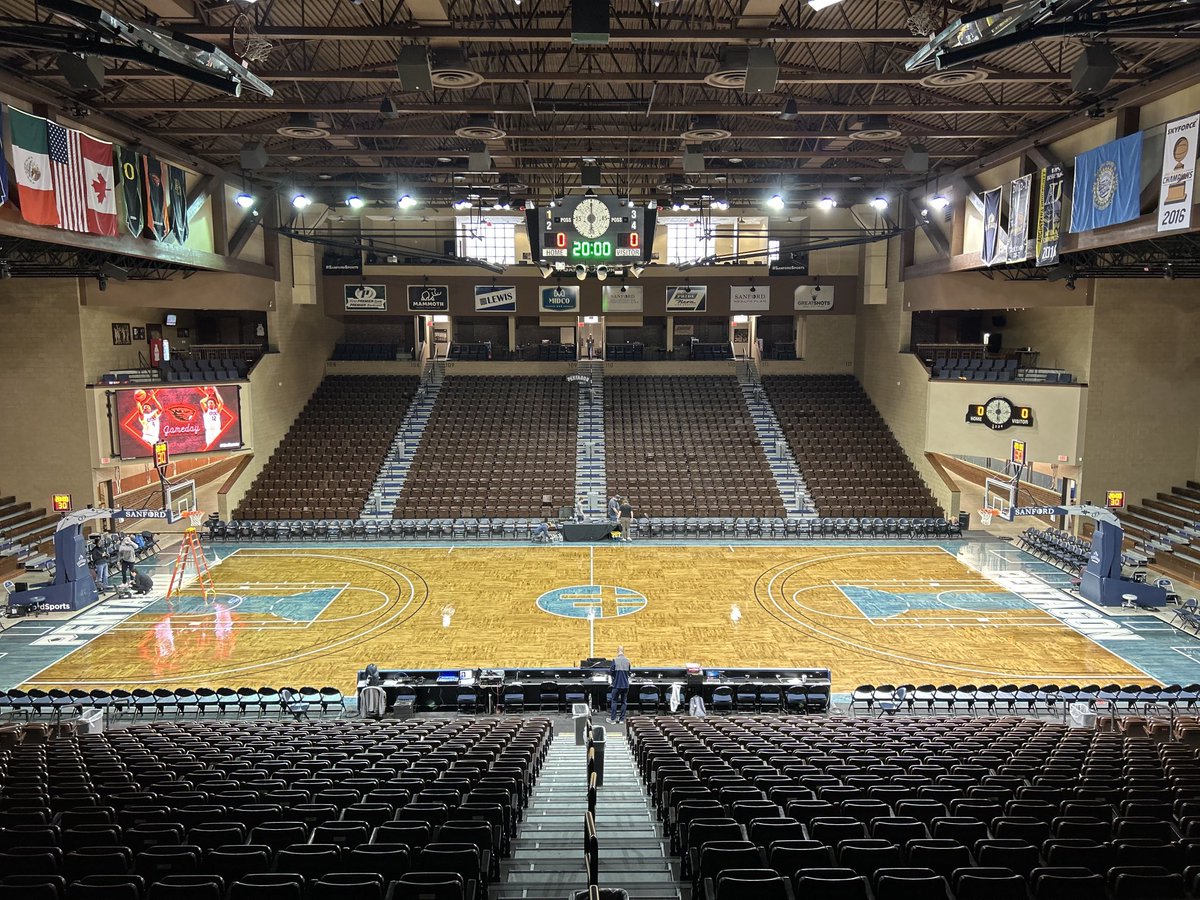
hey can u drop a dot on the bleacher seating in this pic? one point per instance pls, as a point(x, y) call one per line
point(709, 352)
point(474, 352)
point(325, 465)
point(192, 810)
point(976, 370)
point(495, 446)
point(624, 352)
point(850, 460)
point(26, 534)
point(548, 352)
point(359, 351)
point(204, 370)
point(922, 808)
point(686, 446)
point(1166, 528)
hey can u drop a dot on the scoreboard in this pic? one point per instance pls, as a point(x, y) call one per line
point(594, 230)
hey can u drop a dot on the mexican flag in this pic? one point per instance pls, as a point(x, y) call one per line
point(31, 164)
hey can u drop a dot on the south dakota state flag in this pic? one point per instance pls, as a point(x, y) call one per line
point(1106, 184)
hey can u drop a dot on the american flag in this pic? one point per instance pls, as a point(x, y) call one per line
point(70, 177)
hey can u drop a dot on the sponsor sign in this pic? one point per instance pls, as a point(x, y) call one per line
point(1038, 511)
point(989, 251)
point(1049, 218)
point(371, 297)
point(813, 298)
point(193, 419)
point(493, 298)
point(687, 298)
point(1018, 219)
point(619, 298)
point(1178, 174)
point(794, 264)
point(429, 298)
point(749, 299)
point(558, 298)
point(333, 264)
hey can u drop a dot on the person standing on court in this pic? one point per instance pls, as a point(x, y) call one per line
point(626, 520)
point(614, 508)
point(620, 673)
point(127, 553)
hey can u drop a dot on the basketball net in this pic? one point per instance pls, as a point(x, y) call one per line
point(191, 552)
point(985, 515)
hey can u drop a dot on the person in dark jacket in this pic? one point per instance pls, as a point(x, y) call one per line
point(620, 673)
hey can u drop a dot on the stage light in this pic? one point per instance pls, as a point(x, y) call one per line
point(460, 205)
point(581, 272)
point(355, 202)
point(299, 201)
point(636, 271)
point(826, 203)
point(720, 204)
point(939, 201)
point(776, 201)
point(879, 204)
point(406, 201)
point(601, 273)
point(244, 200)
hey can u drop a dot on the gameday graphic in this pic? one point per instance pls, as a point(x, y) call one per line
point(194, 419)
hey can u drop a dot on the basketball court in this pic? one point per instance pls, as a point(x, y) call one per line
point(967, 612)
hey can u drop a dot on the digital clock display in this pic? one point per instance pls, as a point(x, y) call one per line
point(592, 230)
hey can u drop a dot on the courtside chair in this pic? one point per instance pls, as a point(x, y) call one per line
point(332, 698)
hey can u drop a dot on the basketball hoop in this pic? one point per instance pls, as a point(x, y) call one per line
point(986, 513)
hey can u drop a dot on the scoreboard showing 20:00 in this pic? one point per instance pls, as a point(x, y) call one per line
point(592, 230)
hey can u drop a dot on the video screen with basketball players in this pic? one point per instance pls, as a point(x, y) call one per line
point(192, 419)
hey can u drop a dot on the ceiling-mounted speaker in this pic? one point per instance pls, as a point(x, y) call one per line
point(532, 223)
point(1093, 70)
point(83, 73)
point(693, 162)
point(253, 156)
point(412, 68)
point(589, 21)
point(589, 175)
point(479, 161)
point(762, 71)
point(916, 158)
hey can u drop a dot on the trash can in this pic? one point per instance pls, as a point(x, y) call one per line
point(599, 738)
point(1082, 716)
point(91, 721)
point(964, 520)
point(580, 712)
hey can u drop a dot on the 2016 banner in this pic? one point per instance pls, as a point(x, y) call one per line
point(1106, 184)
point(1018, 219)
point(1178, 174)
point(989, 252)
point(194, 419)
point(1049, 215)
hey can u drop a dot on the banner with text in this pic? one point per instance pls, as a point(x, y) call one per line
point(491, 298)
point(429, 298)
point(1018, 219)
point(989, 252)
point(1049, 215)
point(687, 298)
point(559, 298)
point(193, 419)
point(371, 297)
point(750, 298)
point(813, 298)
point(1178, 174)
point(623, 298)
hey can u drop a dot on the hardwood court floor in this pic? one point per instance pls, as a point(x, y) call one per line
point(315, 616)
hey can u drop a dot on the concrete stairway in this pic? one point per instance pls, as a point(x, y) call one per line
point(788, 477)
point(589, 442)
point(398, 461)
point(547, 856)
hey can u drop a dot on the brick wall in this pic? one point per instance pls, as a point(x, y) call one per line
point(1063, 335)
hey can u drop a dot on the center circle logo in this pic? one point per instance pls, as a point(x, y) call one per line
point(604, 601)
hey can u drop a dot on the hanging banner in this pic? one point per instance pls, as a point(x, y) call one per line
point(989, 252)
point(1107, 184)
point(371, 297)
point(490, 298)
point(429, 298)
point(750, 298)
point(158, 221)
point(558, 298)
point(177, 189)
point(31, 166)
point(1018, 219)
point(687, 298)
point(129, 168)
point(812, 298)
point(1178, 174)
point(3, 167)
point(1049, 215)
point(621, 298)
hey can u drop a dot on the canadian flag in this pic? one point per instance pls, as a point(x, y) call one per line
point(100, 185)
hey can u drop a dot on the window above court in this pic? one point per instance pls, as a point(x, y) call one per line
point(490, 238)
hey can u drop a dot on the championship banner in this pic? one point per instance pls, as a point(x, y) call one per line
point(751, 298)
point(1106, 184)
point(429, 298)
point(370, 297)
point(490, 298)
point(1049, 215)
point(158, 221)
point(989, 252)
point(687, 298)
point(1178, 174)
point(1018, 219)
point(129, 169)
point(177, 189)
point(559, 298)
point(624, 298)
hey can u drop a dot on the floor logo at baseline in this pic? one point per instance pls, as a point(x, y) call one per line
point(1078, 615)
point(604, 601)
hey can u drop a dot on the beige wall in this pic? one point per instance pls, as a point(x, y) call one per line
point(1062, 335)
point(828, 344)
point(896, 381)
point(44, 442)
point(1143, 424)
